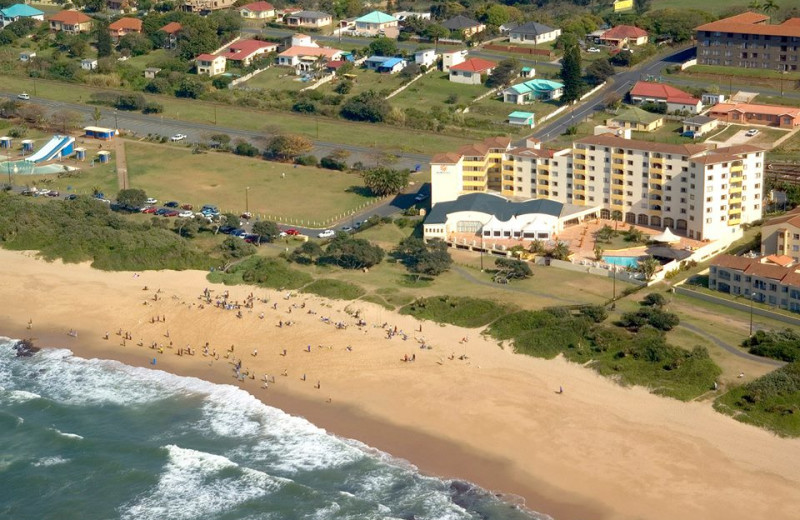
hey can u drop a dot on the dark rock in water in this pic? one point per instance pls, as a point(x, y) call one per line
point(25, 348)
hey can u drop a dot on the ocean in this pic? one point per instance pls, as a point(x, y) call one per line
point(96, 439)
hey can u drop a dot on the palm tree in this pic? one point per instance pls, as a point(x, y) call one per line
point(755, 5)
point(616, 216)
point(769, 6)
point(560, 251)
point(648, 267)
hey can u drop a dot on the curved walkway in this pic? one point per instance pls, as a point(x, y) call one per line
point(469, 277)
point(730, 348)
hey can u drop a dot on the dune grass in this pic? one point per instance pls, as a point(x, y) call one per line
point(463, 311)
point(334, 289)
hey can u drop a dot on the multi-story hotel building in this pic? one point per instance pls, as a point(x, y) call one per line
point(748, 41)
point(698, 192)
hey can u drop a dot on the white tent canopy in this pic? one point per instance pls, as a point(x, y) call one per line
point(667, 237)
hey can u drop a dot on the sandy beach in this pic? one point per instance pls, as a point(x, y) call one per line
point(494, 418)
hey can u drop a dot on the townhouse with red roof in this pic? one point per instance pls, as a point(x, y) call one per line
point(675, 99)
point(258, 11)
point(125, 26)
point(623, 35)
point(244, 52)
point(470, 71)
point(755, 114)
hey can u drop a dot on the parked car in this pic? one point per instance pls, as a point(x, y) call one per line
point(151, 200)
point(28, 192)
point(186, 214)
point(171, 213)
point(420, 197)
point(71, 196)
point(177, 137)
point(751, 132)
point(347, 229)
point(187, 206)
point(172, 204)
point(53, 193)
point(593, 50)
point(357, 225)
point(44, 191)
point(328, 233)
point(161, 211)
point(292, 232)
point(24, 96)
point(226, 229)
point(149, 209)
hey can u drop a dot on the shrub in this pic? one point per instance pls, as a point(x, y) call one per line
point(334, 289)
point(151, 107)
point(332, 164)
point(306, 160)
point(246, 149)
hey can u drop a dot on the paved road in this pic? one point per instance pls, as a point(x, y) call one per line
point(730, 348)
point(143, 124)
point(619, 84)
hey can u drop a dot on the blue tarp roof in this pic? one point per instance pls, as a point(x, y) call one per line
point(391, 62)
point(22, 10)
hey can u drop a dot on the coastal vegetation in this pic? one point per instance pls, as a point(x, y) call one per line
point(783, 345)
point(462, 311)
point(772, 401)
point(334, 289)
point(85, 229)
point(637, 355)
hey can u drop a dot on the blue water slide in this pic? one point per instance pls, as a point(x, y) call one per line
point(58, 145)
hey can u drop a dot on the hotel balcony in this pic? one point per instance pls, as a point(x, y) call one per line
point(654, 209)
point(617, 157)
point(616, 204)
point(734, 221)
point(735, 188)
point(579, 177)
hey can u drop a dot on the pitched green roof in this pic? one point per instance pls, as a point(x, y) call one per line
point(636, 115)
point(520, 115)
point(536, 85)
point(376, 17)
point(22, 10)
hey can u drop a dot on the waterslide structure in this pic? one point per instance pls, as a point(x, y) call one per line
point(59, 145)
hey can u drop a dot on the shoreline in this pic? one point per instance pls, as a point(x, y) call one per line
point(597, 451)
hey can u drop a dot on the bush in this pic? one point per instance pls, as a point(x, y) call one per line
point(269, 272)
point(332, 164)
point(151, 107)
point(306, 160)
point(777, 344)
point(367, 106)
point(335, 289)
point(460, 311)
point(246, 149)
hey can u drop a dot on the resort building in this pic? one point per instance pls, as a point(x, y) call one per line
point(753, 114)
point(471, 71)
point(675, 99)
point(257, 11)
point(769, 280)
point(781, 235)
point(125, 26)
point(636, 119)
point(623, 35)
point(375, 23)
point(473, 218)
point(533, 90)
point(16, 12)
point(699, 126)
point(700, 193)
point(466, 26)
point(533, 33)
point(210, 65)
point(72, 22)
point(748, 41)
point(308, 19)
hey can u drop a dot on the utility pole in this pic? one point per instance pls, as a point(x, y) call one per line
point(247, 199)
point(752, 296)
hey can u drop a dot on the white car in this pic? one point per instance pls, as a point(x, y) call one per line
point(177, 137)
point(328, 233)
point(751, 132)
point(593, 50)
point(44, 191)
point(24, 95)
point(420, 197)
point(186, 214)
point(151, 200)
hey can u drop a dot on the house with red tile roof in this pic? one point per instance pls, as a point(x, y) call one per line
point(622, 35)
point(244, 52)
point(171, 31)
point(304, 58)
point(470, 71)
point(72, 22)
point(676, 99)
point(125, 26)
point(755, 114)
point(258, 11)
point(773, 280)
point(747, 40)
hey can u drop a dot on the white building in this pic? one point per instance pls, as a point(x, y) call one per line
point(450, 58)
point(210, 65)
point(701, 193)
point(471, 71)
point(425, 58)
point(533, 33)
point(89, 64)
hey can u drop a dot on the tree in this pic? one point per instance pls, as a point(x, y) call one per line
point(196, 37)
point(66, 120)
point(648, 267)
point(560, 251)
point(598, 252)
point(383, 46)
point(137, 44)
point(505, 72)
point(230, 220)
point(656, 300)
point(420, 258)
point(385, 181)
point(187, 227)
point(605, 234)
point(616, 216)
point(410, 71)
point(131, 198)
point(351, 253)
point(641, 6)
point(288, 146)
point(33, 114)
point(246, 149)
point(436, 32)
point(78, 46)
point(190, 87)
point(769, 6)
point(493, 14)
point(103, 36)
point(511, 269)
point(755, 5)
point(267, 230)
point(366, 106)
point(97, 115)
point(596, 313)
point(234, 248)
point(307, 254)
point(600, 70)
point(571, 73)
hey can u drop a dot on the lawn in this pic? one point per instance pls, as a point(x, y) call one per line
point(760, 74)
point(712, 6)
point(367, 80)
point(788, 150)
point(327, 129)
point(670, 132)
point(276, 78)
point(436, 90)
point(145, 60)
point(306, 195)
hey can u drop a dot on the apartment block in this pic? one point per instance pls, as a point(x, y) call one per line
point(757, 279)
point(697, 192)
point(781, 235)
point(748, 41)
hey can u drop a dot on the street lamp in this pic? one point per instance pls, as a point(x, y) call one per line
point(247, 199)
point(481, 249)
point(752, 297)
point(116, 123)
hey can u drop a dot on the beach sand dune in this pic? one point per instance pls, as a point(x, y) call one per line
point(598, 450)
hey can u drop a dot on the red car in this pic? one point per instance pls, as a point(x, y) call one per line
point(186, 206)
point(293, 232)
point(172, 213)
point(149, 209)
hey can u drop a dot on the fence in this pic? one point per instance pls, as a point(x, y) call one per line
point(691, 63)
point(226, 44)
point(246, 77)
point(403, 87)
point(520, 50)
point(317, 223)
point(745, 307)
point(321, 81)
point(595, 89)
point(553, 114)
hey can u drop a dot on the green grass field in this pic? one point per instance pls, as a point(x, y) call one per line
point(276, 78)
point(367, 80)
point(712, 6)
point(325, 129)
point(305, 193)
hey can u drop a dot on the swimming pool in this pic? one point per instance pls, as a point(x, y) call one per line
point(624, 261)
point(29, 168)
